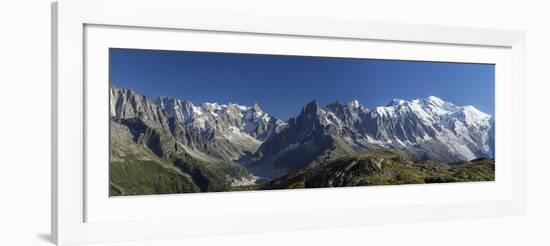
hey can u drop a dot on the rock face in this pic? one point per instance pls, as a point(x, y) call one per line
point(428, 129)
point(170, 145)
point(126, 104)
point(311, 137)
point(197, 145)
point(222, 132)
point(225, 132)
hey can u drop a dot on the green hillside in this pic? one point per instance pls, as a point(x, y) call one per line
point(149, 161)
point(383, 167)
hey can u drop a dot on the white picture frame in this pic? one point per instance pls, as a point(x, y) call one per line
point(81, 213)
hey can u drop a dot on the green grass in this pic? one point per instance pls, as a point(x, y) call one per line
point(148, 162)
point(478, 170)
point(377, 167)
point(383, 167)
point(137, 177)
point(131, 176)
point(244, 188)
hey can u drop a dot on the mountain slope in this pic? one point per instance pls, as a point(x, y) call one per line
point(445, 131)
point(426, 129)
point(174, 146)
point(146, 158)
point(135, 169)
point(308, 139)
point(382, 167)
point(225, 132)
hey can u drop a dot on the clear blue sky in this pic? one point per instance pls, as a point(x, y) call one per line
point(282, 85)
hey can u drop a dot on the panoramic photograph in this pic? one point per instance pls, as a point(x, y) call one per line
point(189, 122)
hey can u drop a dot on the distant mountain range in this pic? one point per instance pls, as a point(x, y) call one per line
point(212, 146)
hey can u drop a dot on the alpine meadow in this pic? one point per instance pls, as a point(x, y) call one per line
point(186, 122)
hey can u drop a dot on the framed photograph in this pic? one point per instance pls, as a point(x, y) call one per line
point(172, 123)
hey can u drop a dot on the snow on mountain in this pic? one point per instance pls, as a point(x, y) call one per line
point(427, 128)
point(424, 128)
point(249, 120)
point(223, 131)
point(464, 130)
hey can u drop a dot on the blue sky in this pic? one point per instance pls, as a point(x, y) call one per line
point(282, 85)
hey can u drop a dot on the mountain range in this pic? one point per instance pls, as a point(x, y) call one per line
point(168, 145)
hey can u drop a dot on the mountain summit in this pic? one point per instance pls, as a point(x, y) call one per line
point(220, 136)
point(427, 128)
point(220, 131)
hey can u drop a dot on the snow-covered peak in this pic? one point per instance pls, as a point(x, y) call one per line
point(180, 109)
point(434, 99)
point(354, 104)
point(431, 122)
point(186, 109)
point(223, 117)
point(395, 102)
point(430, 100)
point(439, 104)
point(257, 108)
point(431, 115)
point(473, 117)
point(213, 108)
point(431, 105)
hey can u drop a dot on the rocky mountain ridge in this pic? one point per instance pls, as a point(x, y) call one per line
point(212, 146)
point(429, 129)
point(220, 131)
